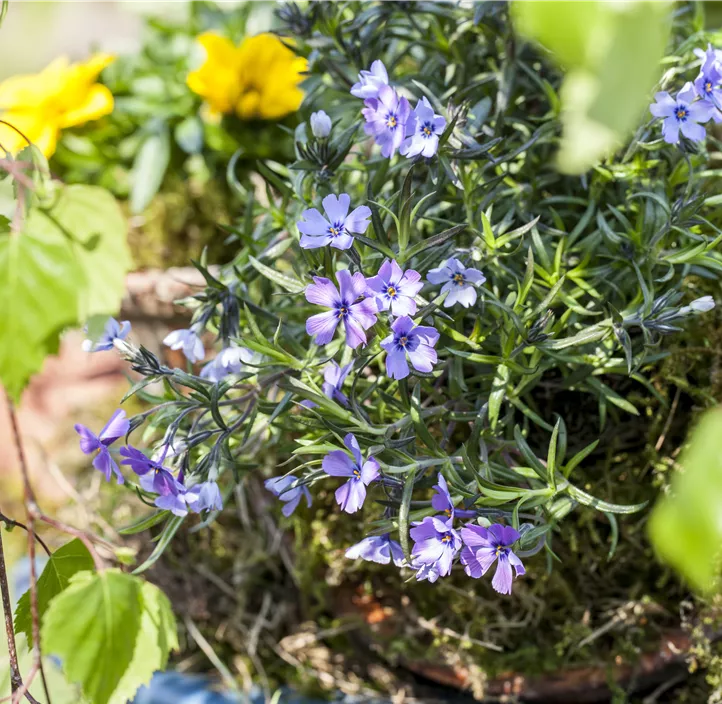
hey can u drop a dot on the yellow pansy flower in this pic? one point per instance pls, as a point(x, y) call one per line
point(256, 80)
point(62, 95)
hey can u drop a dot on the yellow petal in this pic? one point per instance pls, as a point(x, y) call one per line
point(217, 80)
point(30, 127)
point(248, 107)
point(97, 103)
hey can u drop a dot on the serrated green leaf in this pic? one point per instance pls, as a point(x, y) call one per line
point(71, 558)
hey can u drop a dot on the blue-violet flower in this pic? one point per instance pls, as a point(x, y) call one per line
point(386, 119)
point(459, 282)
point(115, 428)
point(435, 543)
point(282, 487)
point(428, 128)
point(337, 228)
point(416, 341)
point(681, 115)
point(369, 82)
point(113, 331)
point(188, 341)
point(351, 495)
point(484, 547)
point(377, 548)
point(395, 288)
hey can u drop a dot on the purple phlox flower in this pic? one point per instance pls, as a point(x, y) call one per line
point(416, 341)
point(459, 282)
point(351, 495)
point(356, 316)
point(442, 501)
point(428, 127)
point(425, 572)
point(370, 81)
point(337, 228)
point(333, 378)
point(435, 543)
point(188, 341)
point(395, 288)
point(90, 443)
point(388, 118)
point(707, 84)
point(154, 477)
point(320, 124)
point(205, 496)
point(283, 488)
point(113, 331)
point(486, 546)
point(230, 360)
point(377, 548)
point(681, 114)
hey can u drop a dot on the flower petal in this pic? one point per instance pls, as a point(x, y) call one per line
point(338, 464)
point(322, 292)
point(322, 327)
point(502, 577)
point(336, 207)
point(350, 495)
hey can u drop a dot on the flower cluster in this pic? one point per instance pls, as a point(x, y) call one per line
point(390, 120)
point(695, 104)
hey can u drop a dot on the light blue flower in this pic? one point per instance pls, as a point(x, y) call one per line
point(459, 282)
point(681, 114)
point(320, 124)
point(429, 127)
point(113, 331)
point(369, 82)
point(188, 341)
point(337, 228)
point(230, 360)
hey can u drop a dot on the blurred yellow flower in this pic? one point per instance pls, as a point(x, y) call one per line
point(256, 80)
point(62, 95)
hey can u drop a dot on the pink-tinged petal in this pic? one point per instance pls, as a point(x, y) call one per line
point(471, 564)
point(486, 557)
point(322, 327)
point(313, 223)
point(358, 220)
point(355, 334)
point(396, 365)
point(351, 287)
point(665, 105)
point(342, 242)
point(670, 130)
point(88, 440)
point(428, 333)
point(403, 305)
point(475, 536)
point(338, 464)
point(370, 471)
point(474, 276)
point(313, 242)
point(440, 275)
point(516, 563)
point(351, 495)
point(502, 577)
point(336, 207)
point(352, 444)
point(364, 312)
point(423, 358)
point(115, 428)
point(322, 292)
point(693, 131)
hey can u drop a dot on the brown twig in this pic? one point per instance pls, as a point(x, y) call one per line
point(16, 679)
point(12, 523)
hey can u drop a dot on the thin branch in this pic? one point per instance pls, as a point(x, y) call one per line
point(12, 523)
point(16, 679)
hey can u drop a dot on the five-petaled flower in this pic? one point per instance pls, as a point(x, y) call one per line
point(459, 282)
point(386, 119)
point(435, 544)
point(90, 443)
point(484, 547)
point(257, 80)
point(351, 495)
point(286, 490)
point(112, 331)
point(707, 84)
point(357, 316)
point(205, 496)
point(442, 501)
point(337, 228)
point(153, 475)
point(188, 341)
point(429, 127)
point(415, 341)
point(230, 360)
point(395, 288)
point(369, 82)
point(62, 95)
point(681, 114)
point(377, 548)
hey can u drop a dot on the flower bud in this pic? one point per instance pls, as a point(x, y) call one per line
point(320, 124)
point(702, 305)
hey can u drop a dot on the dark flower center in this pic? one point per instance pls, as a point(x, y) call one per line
point(391, 292)
point(427, 129)
point(403, 341)
point(681, 113)
point(336, 229)
point(391, 121)
point(458, 279)
point(357, 474)
point(500, 551)
point(343, 311)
